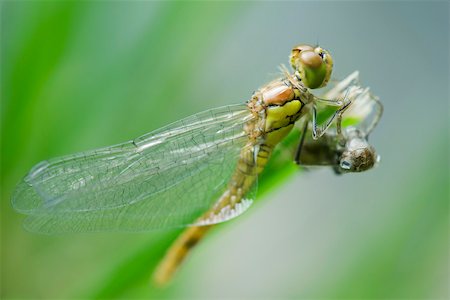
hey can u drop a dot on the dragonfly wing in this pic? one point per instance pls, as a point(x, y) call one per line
point(61, 180)
point(231, 206)
point(163, 179)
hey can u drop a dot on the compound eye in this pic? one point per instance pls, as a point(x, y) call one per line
point(314, 65)
point(302, 47)
point(321, 52)
point(295, 53)
point(311, 60)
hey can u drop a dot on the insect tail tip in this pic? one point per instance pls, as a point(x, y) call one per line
point(160, 279)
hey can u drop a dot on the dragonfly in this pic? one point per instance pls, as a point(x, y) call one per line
point(194, 173)
point(344, 148)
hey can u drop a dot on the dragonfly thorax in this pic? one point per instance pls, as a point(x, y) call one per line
point(277, 93)
point(282, 108)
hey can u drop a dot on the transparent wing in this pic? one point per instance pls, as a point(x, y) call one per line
point(163, 179)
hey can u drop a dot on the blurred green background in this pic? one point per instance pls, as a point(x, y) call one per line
point(80, 75)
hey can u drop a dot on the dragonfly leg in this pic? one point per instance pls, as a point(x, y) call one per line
point(340, 136)
point(332, 102)
point(298, 152)
point(318, 130)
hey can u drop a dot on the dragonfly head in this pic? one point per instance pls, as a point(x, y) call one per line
point(312, 64)
point(358, 155)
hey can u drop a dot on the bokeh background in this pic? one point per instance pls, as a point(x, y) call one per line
point(80, 75)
